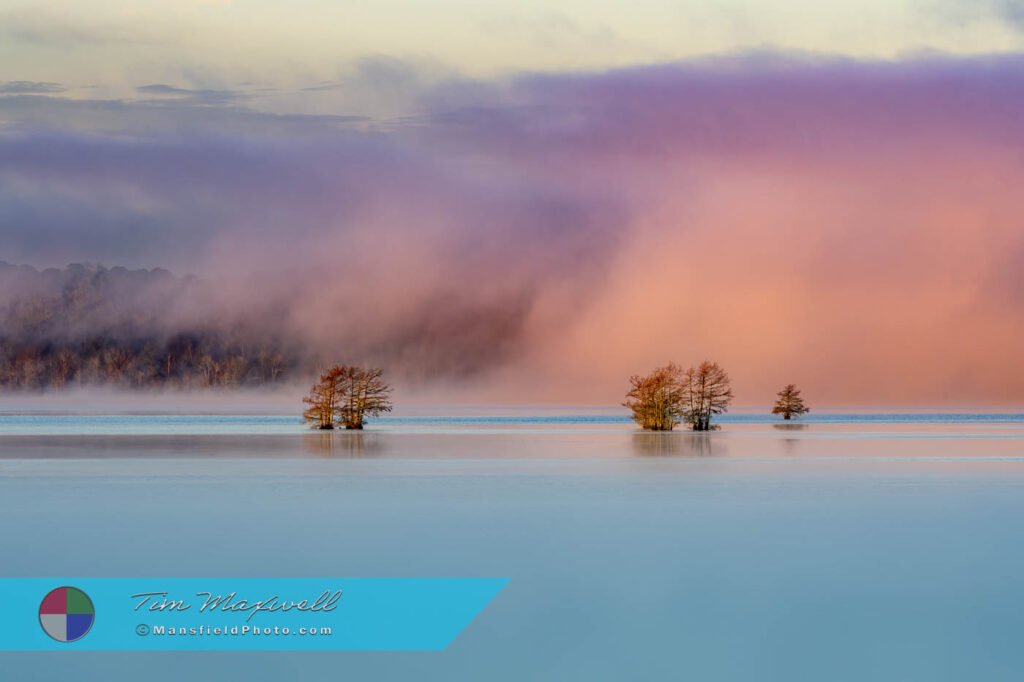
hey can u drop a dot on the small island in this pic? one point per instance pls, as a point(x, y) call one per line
point(789, 403)
point(671, 395)
point(344, 396)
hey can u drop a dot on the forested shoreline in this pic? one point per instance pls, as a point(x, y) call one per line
point(87, 325)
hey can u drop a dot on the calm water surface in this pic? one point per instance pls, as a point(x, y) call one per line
point(851, 547)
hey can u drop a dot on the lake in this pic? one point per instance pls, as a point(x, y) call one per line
point(845, 547)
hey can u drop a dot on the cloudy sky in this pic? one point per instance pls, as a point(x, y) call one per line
point(373, 57)
point(826, 193)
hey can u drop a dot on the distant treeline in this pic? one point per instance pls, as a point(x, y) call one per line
point(186, 360)
point(89, 325)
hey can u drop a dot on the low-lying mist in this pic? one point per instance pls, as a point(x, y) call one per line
point(853, 227)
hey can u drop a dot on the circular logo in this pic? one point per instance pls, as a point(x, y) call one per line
point(66, 614)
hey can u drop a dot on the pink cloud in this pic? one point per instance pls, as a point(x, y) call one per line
point(853, 227)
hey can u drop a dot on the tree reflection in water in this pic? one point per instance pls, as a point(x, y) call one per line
point(789, 445)
point(344, 443)
point(677, 444)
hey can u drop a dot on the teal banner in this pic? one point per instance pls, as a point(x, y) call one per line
point(239, 614)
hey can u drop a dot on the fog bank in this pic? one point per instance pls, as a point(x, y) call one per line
point(850, 226)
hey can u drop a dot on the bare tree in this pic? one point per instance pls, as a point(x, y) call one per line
point(115, 363)
point(656, 400)
point(271, 363)
point(28, 370)
point(322, 401)
point(363, 393)
point(345, 396)
point(789, 403)
point(209, 370)
point(706, 391)
point(234, 369)
point(63, 368)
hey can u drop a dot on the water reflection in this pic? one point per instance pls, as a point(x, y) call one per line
point(789, 427)
point(677, 444)
point(343, 444)
point(789, 446)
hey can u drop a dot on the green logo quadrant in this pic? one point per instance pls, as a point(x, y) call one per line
point(66, 614)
